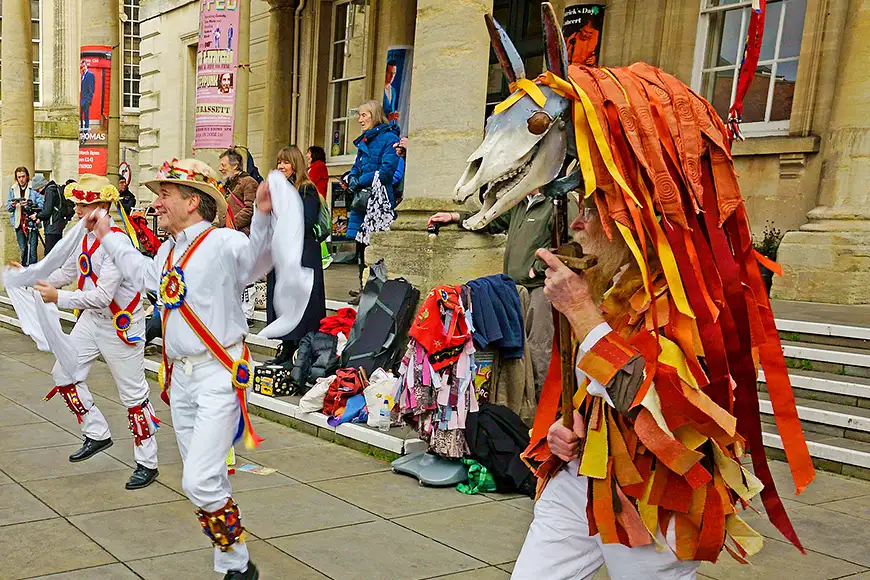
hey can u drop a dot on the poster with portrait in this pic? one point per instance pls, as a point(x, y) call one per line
point(397, 86)
point(583, 30)
point(216, 66)
point(95, 75)
point(339, 212)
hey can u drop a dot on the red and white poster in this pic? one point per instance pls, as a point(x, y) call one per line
point(95, 68)
point(216, 67)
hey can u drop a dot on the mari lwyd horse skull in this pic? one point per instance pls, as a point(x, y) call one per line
point(525, 146)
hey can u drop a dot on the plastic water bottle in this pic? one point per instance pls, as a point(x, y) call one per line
point(384, 417)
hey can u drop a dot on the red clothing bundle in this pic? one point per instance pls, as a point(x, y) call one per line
point(340, 323)
point(443, 341)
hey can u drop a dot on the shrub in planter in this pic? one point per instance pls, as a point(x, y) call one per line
point(768, 245)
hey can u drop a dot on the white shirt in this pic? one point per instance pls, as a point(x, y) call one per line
point(215, 276)
point(110, 282)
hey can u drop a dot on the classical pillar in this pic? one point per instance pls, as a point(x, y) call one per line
point(243, 75)
point(448, 99)
point(17, 107)
point(102, 27)
point(828, 260)
point(279, 81)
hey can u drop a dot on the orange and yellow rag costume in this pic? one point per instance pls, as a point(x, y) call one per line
point(657, 159)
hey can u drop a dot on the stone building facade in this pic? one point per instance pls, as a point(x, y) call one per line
point(803, 167)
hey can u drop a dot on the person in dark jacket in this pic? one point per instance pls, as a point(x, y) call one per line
point(50, 216)
point(376, 152)
point(128, 200)
point(292, 164)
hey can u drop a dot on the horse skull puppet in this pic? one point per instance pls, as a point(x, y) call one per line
point(656, 158)
point(526, 145)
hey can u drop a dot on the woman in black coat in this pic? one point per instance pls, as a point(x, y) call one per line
point(291, 162)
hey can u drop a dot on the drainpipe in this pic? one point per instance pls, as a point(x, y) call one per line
point(294, 104)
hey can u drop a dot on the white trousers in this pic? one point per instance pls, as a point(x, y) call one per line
point(205, 415)
point(94, 336)
point(559, 547)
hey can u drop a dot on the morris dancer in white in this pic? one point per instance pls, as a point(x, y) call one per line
point(200, 272)
point(111, 324)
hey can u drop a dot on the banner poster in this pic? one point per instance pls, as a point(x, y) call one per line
point(397, 86)
point(339, 212)
point(217, 61)
point(95, 68)
point(583, 30)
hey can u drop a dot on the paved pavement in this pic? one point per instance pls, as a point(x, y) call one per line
point(329, 512)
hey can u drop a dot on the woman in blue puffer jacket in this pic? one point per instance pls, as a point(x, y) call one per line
point(376, 152)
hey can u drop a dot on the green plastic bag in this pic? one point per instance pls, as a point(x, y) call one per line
point(479, 479)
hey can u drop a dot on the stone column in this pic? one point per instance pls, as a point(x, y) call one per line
point(102, 27)
point(828, 260)
point(448, 99)
point(279, 81)
point(243, 75)
point(17, 108)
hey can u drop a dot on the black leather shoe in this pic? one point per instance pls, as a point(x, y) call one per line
point(89, 449)
point(142, 477)
point(250, 574)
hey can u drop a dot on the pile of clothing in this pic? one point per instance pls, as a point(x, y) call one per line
point(318, 350)
point(435, 390)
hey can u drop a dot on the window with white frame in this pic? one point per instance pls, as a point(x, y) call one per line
point(131, 54)
point(722, 33)
point(347, 71)
point(36, 36)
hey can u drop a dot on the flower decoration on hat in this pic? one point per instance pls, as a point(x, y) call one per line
point(91, 189)
point(173, 170)
point(173, 288)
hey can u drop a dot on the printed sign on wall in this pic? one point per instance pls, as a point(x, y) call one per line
point(95, 67)
point(583, 30)
point(217, 61)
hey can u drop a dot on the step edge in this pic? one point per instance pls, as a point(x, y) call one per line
point(833, 386)
point(825, 355)
point(823, 417)
point(830, 330)
point(824, 451)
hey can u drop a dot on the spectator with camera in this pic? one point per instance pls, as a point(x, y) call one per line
point(25, 203)
point(56, 211)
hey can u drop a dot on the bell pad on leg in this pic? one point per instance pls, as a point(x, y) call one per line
point(223, 527)
point(142, 421)
point(71, 397)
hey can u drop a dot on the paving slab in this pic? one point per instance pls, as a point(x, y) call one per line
point(858, 507)
point(470, 530)
point(482, 574)
point(34, 436)
point(379, 550)
point(110, 572)
point(825, 488)
point(293, 509)
point(53, 462)
point(12, 414)
point(522, 503)
point(145, 532)
point(198, 565)
point(170, 476)
point(317, 462)
point(48, 547)
point(167, 448)
point(91, 493)
point(390, 495)
point(775, 559)
point(276, 436)
point(17, 506)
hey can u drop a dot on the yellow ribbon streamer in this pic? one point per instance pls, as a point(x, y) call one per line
point(520, 89)
point(595, 452)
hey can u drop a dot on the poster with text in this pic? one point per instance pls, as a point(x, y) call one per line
point(583, 32)
point(216, 66)
point(397, 86)
point(339, 212)
point(95, 69)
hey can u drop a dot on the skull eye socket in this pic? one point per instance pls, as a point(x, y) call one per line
point(539, 123)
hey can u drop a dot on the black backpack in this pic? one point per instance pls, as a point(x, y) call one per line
point(380, 334)
point(496, 436)
point(65, 207)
